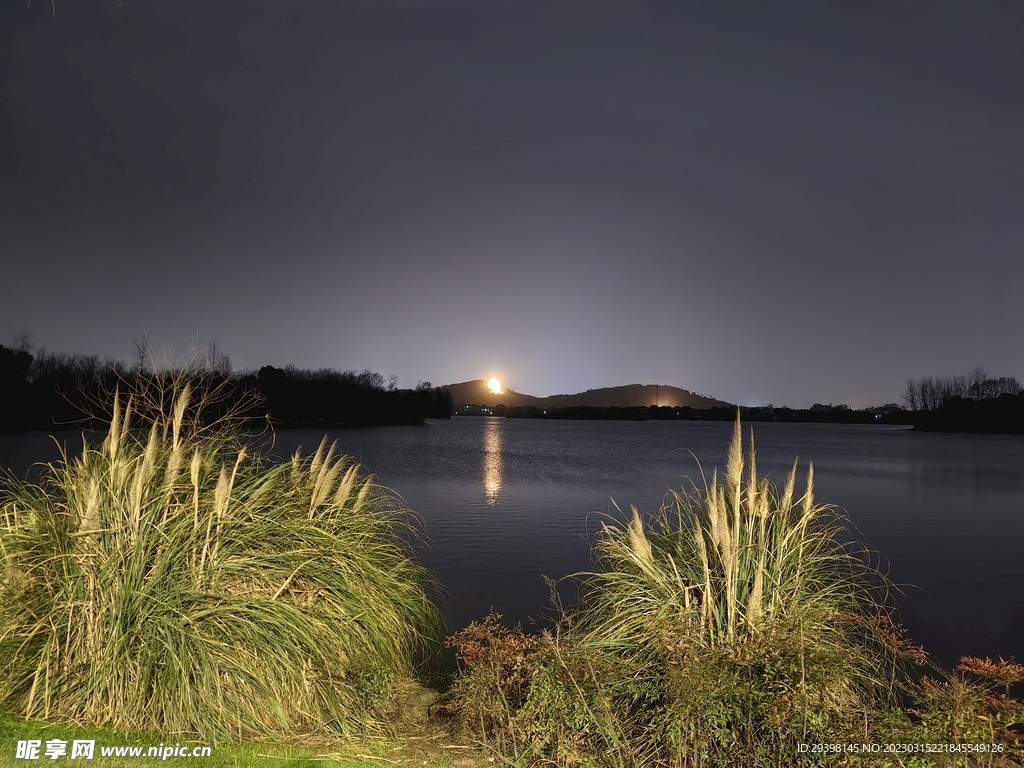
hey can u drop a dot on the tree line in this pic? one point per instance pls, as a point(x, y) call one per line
point(931, 393)
point(45, 390)
point(973, 403)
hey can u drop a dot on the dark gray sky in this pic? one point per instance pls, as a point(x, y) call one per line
point(787, 203)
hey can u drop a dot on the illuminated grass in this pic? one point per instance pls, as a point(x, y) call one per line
point(165, 581)
point(730, 564)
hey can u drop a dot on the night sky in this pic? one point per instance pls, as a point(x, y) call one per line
point(761, 202)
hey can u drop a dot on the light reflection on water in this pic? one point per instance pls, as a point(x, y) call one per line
point(492, 459)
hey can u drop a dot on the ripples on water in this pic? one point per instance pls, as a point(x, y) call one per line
point(505, 501)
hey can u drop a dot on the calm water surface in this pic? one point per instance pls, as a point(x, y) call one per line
point(505, 501)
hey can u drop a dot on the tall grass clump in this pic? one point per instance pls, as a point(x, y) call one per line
point(165, 580)
point(728, 628)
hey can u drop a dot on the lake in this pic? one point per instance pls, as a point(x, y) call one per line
point(506, 501)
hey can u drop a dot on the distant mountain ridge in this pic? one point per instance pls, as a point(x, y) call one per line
point(628, 396)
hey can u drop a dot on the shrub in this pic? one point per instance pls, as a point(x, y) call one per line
point(165, 580)
point(974, 705)
point(499, 659)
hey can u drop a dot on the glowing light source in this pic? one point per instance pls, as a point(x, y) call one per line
point(495, 386)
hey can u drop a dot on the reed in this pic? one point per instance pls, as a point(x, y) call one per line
point(728, 563)
point(165, 580)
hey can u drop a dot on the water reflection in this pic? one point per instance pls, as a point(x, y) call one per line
point(492, 459)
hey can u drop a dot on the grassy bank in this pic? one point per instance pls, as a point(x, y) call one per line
point(728, 629)
point(166, 581)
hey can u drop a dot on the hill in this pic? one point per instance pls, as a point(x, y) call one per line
point(629, 396)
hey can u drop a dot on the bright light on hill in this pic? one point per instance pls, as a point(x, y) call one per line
point(495, 386)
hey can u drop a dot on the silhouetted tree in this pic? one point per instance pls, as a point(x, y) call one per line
point(215, 360)
point(912, 395)
point(977, 381)
point(141, 352)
